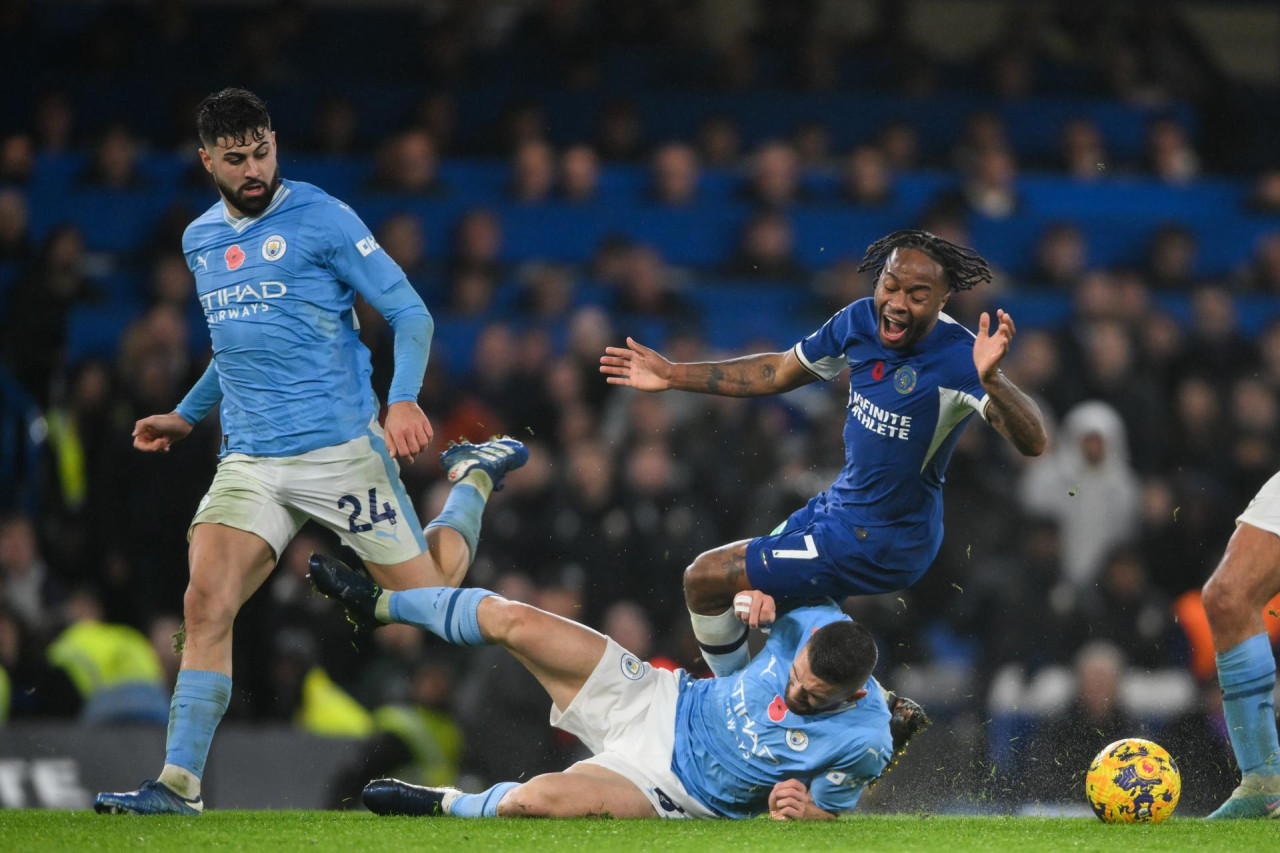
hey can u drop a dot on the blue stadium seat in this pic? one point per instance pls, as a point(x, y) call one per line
point(94, 331)
point(109, 221)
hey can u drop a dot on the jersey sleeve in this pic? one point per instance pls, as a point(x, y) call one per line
point(823, 352)
point(838, 790)
point(353, 255)
point(964, 389)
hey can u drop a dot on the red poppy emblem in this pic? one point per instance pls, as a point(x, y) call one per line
point(877, 372)
point(777, 709)
point(235, 257)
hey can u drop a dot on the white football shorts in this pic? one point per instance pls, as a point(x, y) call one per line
point(352, 488)
point(1263, 511)
point(625, 714)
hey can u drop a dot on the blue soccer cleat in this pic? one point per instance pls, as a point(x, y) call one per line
point(393, 797)
point(355, 591)
point(152, 797)
point(1255, 797)
point(495, 457)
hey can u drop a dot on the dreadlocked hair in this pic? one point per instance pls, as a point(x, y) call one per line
point(963, 267)
point(236, 116)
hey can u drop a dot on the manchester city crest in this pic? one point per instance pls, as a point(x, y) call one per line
point(632, 667)
point(797, 740)
point(904, 379)
point(273, 248)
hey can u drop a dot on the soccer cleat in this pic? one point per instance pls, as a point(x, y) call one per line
point(495, 457)
point(393, 797)
point(1256, 797)
point(908, 720)
point(152, 797)
point(355, 591)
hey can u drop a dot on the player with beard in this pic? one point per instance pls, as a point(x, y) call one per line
point(797, 733)
point(915, 378)
point(277, 266)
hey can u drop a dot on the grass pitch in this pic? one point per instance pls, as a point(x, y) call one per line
point(314, 831)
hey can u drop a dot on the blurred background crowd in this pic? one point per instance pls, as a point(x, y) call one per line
point(702, 175)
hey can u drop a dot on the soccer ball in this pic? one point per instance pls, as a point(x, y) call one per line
point(1133, 781)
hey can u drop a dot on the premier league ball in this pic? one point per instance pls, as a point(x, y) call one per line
point(1133, 781)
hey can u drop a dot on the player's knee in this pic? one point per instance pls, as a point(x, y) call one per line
point(205, 610)
point(1223, 599)
point(526, 801)
point(705, 584)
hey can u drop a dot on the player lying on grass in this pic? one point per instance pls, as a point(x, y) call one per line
point(798, 732)
point(916, 377)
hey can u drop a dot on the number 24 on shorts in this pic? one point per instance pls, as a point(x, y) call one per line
point(353, 521)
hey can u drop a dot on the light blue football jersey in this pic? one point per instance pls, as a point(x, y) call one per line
point(907, 409)
point(736, 739)
point(277, 291)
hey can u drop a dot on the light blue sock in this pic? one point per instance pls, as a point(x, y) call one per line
point(200, 699)
point(451, 614)
point(1247, 675)
point(462, 511)
point(484, 804)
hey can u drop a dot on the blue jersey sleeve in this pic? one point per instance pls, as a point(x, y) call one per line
point(839, 789)
point(202, 397)
point(412, 325)
point(354, 256)
point(963, 387)
point(823, 352)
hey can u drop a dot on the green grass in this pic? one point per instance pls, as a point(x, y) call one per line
point(313, 831)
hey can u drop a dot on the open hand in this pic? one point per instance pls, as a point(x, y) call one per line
point(636, 366)
point(990, 347)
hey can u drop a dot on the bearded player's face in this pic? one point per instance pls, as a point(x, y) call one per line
point(246, 174)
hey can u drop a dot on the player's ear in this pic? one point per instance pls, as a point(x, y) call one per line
point(855, 697)
point(206, 161)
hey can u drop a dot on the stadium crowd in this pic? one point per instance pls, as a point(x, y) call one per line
point(1160, 379)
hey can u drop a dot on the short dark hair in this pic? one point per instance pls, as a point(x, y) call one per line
point(843, 654)
point(962, 266)
point(236, 115)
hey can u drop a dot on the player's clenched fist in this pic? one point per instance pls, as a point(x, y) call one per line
point(789, 800)
point(754, 607)
point(407, 430)
point(160, 432)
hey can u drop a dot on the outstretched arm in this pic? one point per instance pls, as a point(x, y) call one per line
point(644, 369)
point(1011, 412)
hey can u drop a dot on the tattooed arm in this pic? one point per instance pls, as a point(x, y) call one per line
point(644, 369)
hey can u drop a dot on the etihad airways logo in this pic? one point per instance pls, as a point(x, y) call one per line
point(240, 300)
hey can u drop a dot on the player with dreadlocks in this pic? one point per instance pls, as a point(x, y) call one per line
point(915, 378)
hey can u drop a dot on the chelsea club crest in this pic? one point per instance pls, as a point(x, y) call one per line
point(904, 379)
point(273, 248)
